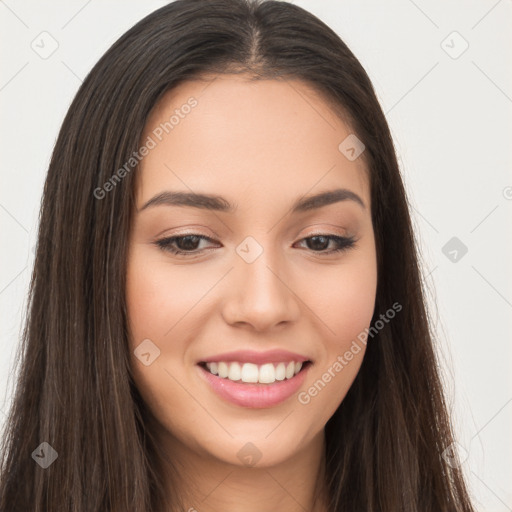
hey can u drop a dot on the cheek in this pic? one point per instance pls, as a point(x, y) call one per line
point(158, 298)
point(157, 303)
point(344, 300)
point(145, 298)
point(330, 380)
point(354, 304)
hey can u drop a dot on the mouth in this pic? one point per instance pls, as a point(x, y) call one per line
point(251, 385)
point(251, 373)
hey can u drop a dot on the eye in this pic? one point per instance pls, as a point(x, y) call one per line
point(186, 244)
point(318, 243)
point(189, 244)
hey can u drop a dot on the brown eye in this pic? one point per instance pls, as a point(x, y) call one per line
point(185, 244)
point(319, 243)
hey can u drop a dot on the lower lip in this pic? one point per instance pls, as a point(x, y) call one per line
point(256, 396)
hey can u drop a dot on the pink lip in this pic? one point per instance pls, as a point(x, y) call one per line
point(250, 356)
point(256, 396)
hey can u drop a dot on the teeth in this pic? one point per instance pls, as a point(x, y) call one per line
point(290, 370)
point(280, 371)
point(235, 371)
point(223, 370)
point(267, 374)
point(248, 372)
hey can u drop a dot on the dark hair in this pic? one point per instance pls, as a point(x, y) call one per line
point(75, 390)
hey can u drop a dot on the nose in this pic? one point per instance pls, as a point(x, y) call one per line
point(261, 294)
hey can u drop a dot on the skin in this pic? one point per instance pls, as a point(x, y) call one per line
point(261, 145)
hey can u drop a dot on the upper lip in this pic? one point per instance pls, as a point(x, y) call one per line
point(251, 356)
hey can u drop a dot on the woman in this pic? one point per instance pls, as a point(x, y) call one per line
point(226, 310)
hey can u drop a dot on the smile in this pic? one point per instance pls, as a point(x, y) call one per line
point(252, 373)
point(252, 385)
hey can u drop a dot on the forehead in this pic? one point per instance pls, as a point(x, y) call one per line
point(227, 134)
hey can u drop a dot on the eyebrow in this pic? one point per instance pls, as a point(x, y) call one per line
point(220, 204)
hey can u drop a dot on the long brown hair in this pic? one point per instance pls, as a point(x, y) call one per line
point(75, 390)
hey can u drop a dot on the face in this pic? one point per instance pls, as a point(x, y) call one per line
point(265, 277)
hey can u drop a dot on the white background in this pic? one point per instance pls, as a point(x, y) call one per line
point(452, 125)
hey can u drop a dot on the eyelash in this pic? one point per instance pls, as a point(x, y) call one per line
point(344, 244)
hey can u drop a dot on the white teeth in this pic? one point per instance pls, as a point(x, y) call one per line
point(248, 372)
point(235, 371)
point(223, 370)
point(280, 371)
point(267, 374)
point(290, 370)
